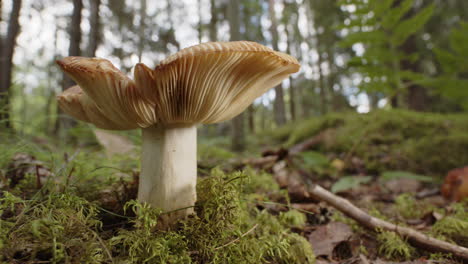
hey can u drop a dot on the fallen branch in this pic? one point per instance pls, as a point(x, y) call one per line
point(416, 238)
point(274, 156)
point(313, 141)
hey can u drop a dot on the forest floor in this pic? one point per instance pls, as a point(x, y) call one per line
point(79, 208)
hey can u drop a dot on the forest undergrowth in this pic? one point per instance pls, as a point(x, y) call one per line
point(79, 206)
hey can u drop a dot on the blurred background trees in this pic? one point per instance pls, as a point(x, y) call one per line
point(356, 55)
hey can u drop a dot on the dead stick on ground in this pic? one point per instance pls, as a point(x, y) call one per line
point(416, 238)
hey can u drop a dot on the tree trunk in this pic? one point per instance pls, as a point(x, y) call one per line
point(73, 50)
point(6, 64)
point(238, 134)
point(292, 94)
point(200, 23)
point(279, 108)
point(213, 21)
point(95, 31)
point(323, 89)
point(50, 122)
point(141, 29)
point(417, 96)
point(251, 118)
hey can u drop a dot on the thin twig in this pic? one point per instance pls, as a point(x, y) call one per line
point(237, 239)
point(416, 238)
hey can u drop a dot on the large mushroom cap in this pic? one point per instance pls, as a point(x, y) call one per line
point(206, 83)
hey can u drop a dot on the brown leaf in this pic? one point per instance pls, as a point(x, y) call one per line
point(328, 240)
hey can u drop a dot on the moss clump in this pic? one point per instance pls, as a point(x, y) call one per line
point(406, 206)
point(453, 226)
point(425, 143)
point(393, 247)
point(61, 228)
point(293, 218)
point(227, 228)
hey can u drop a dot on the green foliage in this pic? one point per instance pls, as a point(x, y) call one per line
point(393, 247)
point(349, 182)
point(382, 27)
point(453, 83)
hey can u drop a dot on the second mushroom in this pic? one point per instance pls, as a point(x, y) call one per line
point(203, 84)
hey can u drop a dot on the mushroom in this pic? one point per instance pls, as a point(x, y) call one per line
point(202, 84)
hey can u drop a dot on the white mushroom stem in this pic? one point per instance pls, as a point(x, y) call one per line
point(169, 170)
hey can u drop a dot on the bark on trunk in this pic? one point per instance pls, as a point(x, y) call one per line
point(323, 89)
point(95, 31)
point(6, 64)
point(213, 21)
point(238, 134)
point(417, 95)
point(292, 92)
point(73, 50)
point(278, 107)
point(251, 115)
point(141, 28)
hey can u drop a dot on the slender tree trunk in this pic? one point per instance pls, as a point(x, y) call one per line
point(279, 108)
point(141, 28)
point(417, 96)
point(73, 50)
point(6, 64)
point(292, 92)
point(323, 89)
point(172, 38)
point(251, 118)
point(238, 134)
point(213, 21)
point(49, 125)
point(95, 31)
point(200, 23)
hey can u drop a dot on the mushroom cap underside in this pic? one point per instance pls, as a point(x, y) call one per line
point(206, 83)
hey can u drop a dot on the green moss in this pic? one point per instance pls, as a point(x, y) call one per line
point(309, 128)
point(393, 247)
point(211, 155)
point(227, 228)
point(406, 206)
point(292, 218)
point(58, 227)
point(425, 143)
point(453, 226)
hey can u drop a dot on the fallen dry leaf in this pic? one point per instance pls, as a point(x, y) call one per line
point(328, 240)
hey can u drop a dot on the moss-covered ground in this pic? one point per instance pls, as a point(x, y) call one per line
point(84, 212)
point(383, 140)
point(78, 205)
